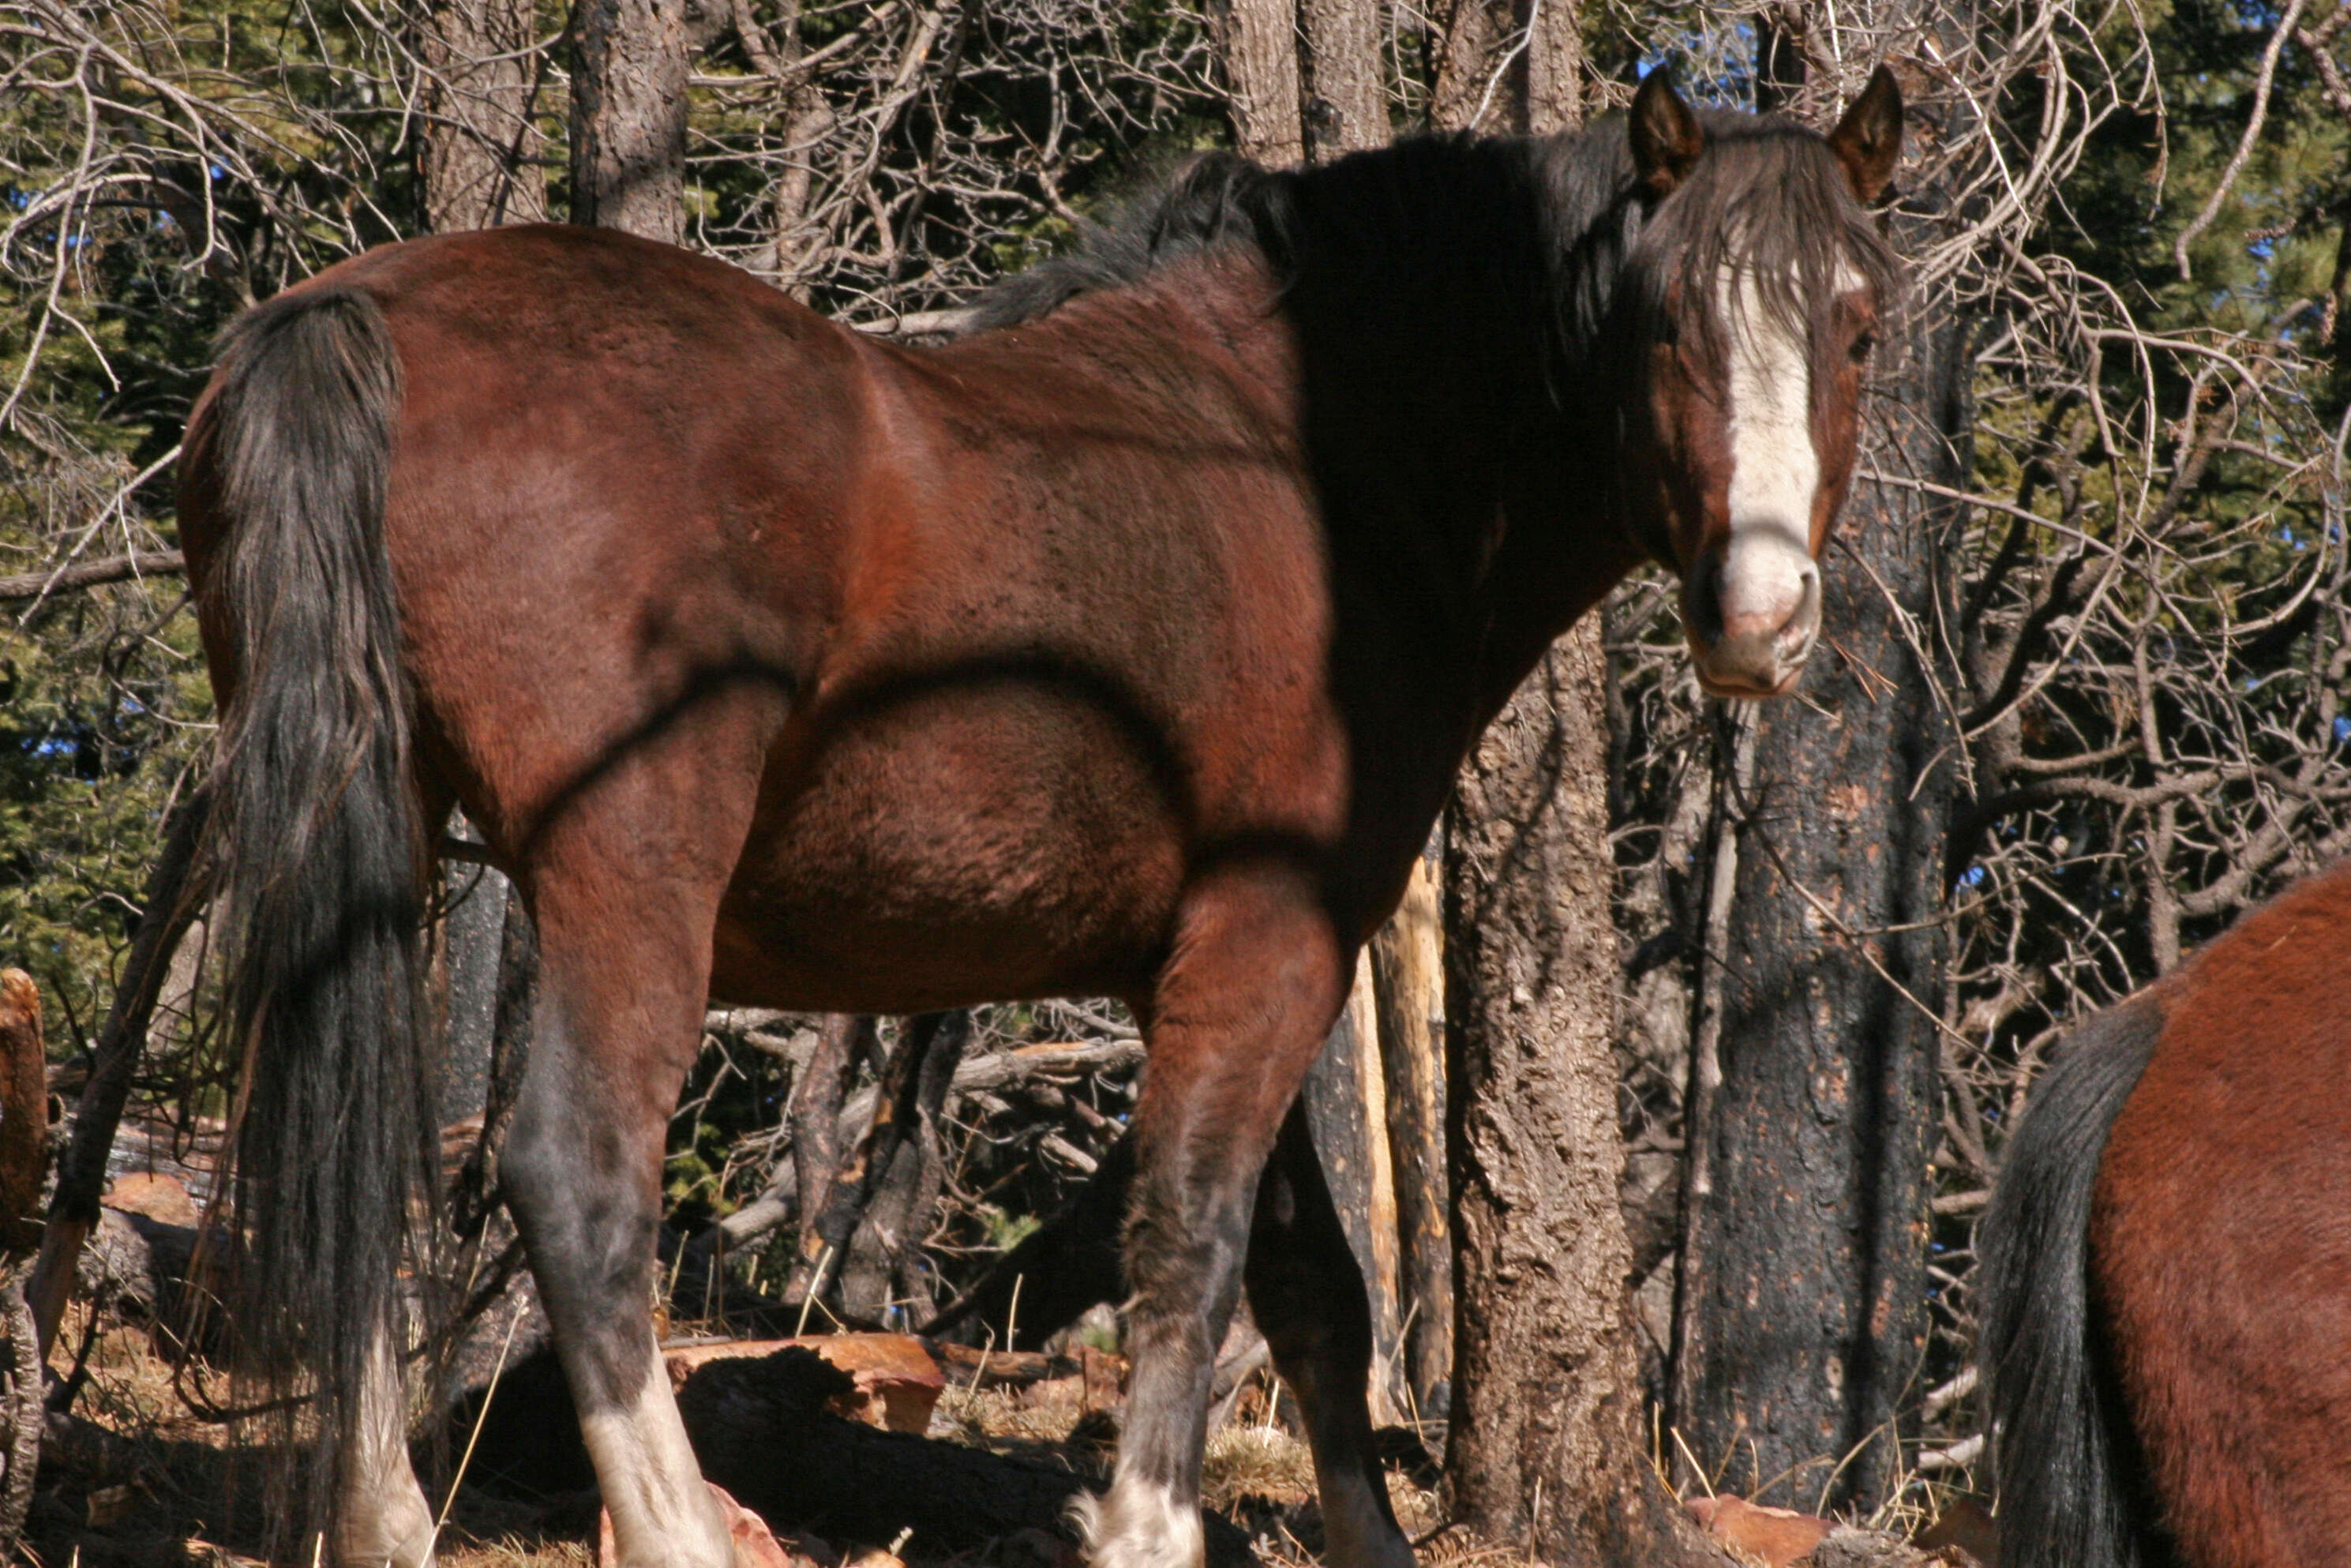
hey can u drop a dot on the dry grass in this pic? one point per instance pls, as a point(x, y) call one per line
point(1250, 1462)
point(515, 1552)
point(162, 1477)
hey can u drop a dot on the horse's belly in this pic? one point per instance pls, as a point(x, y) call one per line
point(966, 841)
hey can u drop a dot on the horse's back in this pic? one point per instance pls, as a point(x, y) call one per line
point(1008, 634)
point(2220, 1240)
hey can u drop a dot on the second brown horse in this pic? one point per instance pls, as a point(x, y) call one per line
point(1127, 648)
point(2167, 1295)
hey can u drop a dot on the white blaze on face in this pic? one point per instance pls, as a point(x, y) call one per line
point(1775, 473)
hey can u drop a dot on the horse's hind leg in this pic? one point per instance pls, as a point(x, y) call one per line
point(624, 892)
point(1255, 982)
point(613, 1020)
point(1307, 1293)
point(385, 1517)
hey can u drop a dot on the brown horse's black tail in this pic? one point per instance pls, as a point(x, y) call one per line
point(320, 857)
point(2072, 1493)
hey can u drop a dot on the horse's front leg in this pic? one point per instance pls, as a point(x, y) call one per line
point(1238, 1016)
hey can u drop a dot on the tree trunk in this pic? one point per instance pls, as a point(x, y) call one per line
point(1409, 985)
point(1346, 101)
point(1553, 67)
point(1508, 66)
point(176, 890)
point(472, 937)
point(1345, 1097)
point(480, 145)
point(630, 60)
point(1802, 1304)
point(1550, 1435)
point(1549, 1440)
point(1261, 46)
point(846, 1040)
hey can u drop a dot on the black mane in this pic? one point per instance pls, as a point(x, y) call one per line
point(1451, 224)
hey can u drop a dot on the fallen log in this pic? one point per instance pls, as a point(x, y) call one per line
point(972, 1366)
point(894, 1382)
point(762, 1431)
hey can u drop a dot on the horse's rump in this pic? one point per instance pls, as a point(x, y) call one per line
point(2218, 1250)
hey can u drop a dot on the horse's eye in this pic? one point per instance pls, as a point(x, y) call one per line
point(1862, 345)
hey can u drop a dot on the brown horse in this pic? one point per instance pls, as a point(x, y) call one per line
point(2168, 1312)
point(1126, 648)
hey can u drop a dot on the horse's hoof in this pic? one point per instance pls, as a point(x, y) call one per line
point(756, 1545)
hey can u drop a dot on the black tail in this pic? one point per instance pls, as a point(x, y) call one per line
point(2069, 1489)
point(320, 856)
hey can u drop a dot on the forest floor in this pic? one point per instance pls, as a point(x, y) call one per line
point(139, 1478)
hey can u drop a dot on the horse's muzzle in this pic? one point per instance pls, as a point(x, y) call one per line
point(1752, 613)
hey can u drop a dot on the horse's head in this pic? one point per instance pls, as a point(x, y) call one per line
point(1751, 293)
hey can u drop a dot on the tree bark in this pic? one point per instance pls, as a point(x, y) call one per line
point(631, 61)
point(481, 148)
point(1553, 67)
point(472, 937)
point(1261, 69)
point(1508, 66)
point(814, 1113)
point(1345, 104)
point(1346, 1099)
point(1409, 985)
point(1549, 1440)
point(1802, 1304)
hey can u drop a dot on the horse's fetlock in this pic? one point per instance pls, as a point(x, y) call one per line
point(1140, 1523)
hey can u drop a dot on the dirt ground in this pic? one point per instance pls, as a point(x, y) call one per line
point(139, 1478)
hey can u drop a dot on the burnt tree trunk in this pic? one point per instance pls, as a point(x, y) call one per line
point(473, 939)
point(1549, 1433)
point(1803, 1303)
point(1549, 1440)
point(629, 65)
point(903, 1171)
point(481, 146)
point(176, 890)
point(846, 1040)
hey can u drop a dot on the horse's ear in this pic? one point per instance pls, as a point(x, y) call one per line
point(1667, 140)
point(1868, 140)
